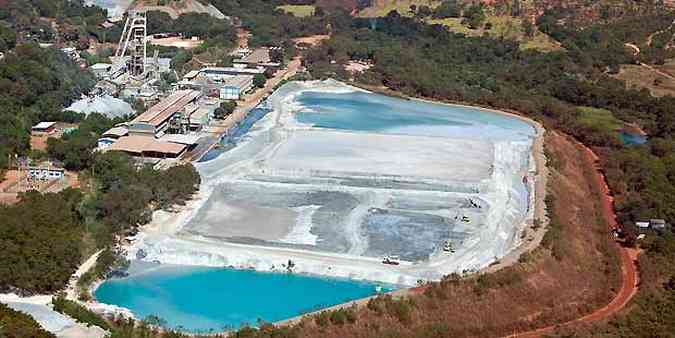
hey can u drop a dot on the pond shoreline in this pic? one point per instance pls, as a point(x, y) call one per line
point(537, 196)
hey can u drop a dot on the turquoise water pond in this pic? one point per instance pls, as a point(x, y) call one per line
point(203, 299)
point(632, 138)
point(368, 112)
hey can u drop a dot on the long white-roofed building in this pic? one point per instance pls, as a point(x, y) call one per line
point(155, 121)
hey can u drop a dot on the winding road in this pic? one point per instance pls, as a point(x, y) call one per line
point(629, 270)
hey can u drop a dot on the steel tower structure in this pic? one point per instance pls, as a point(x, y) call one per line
point(133, 43)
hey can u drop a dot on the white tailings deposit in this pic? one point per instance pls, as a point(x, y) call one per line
point(106, 105)
point(334, 178)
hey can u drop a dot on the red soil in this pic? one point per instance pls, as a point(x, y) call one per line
point(628, 267)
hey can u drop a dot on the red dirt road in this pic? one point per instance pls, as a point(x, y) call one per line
point(629, 270)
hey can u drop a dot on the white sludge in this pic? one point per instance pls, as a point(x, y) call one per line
point(334, 200)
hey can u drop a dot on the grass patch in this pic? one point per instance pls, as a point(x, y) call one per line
point(401, 6)
point(79, 312)
point(299, 11)
point(503, 27)
point(455, 25)
point(638, 77)
point(602, 119)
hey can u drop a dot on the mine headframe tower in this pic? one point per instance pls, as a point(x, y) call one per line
point(133, 43)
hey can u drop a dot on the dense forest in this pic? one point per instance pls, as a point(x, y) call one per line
point(270, 26)
point(36, 20)
point(214, 31)
point(44, 236)
point(35, 83)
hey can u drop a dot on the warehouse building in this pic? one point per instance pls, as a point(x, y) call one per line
point(145, 146)
point(156, 120)
point(234, 87)
point(219, 73)
point(111, 136)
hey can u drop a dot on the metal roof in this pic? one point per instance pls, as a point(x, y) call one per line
point(101, 66)
point(145, 144)
point(191, 74)
point(642, 224)
point(238, 81)
point(167, 107)
point(116, 131)
point(44, 125)
point(180, 139)
point(232, 70)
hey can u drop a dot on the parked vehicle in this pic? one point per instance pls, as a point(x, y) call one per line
point(391, 260)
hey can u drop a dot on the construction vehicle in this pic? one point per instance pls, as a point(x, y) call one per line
point(391, 260)
point(447, 247)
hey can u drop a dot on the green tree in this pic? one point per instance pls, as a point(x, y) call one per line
point(528, 27)
point(515, 8)
point(259, 80)
point(474, 16)
point(448, 9)
point(7, 38)
point(226, 108)
point(423, 11)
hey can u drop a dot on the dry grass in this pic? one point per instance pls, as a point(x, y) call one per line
point(574, 272)
point(300, 11)
point(401, 6)
point(639, 77)
point(503, 27)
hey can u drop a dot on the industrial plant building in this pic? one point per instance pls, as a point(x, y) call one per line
point(161, 131)
point(220, 73)
point(155, 121)
point(234, 87)
point(144, 146)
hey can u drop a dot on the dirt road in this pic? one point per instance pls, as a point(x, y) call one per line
point(629, 270)
point(244, 106)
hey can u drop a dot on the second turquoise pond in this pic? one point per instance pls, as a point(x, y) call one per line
point(202, 299)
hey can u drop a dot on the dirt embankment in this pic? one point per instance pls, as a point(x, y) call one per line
point(574, 272)
point(629, 267)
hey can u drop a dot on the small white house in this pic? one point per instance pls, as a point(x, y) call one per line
point(642, 225)
point(657, 223)
point(43, 128)
point(46, 172)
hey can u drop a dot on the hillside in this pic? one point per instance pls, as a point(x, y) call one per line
point(177, 7)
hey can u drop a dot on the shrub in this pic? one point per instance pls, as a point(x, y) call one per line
point(79, 312)
point(376, 305)
point(15, 324)
point(338, 317)
point(322, 319)
point(525, 258)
